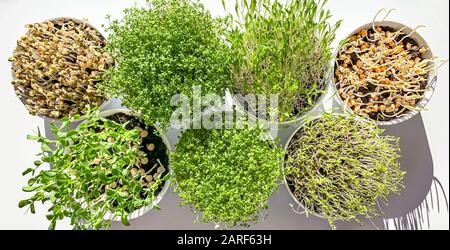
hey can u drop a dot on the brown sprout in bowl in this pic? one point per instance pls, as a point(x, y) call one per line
point(382, 73)
point(56, 67)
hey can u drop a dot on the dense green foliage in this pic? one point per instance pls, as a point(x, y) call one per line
point(226, 175)
point(339, 167)
point(88, 163)
point(282, 49)
point(165, 49)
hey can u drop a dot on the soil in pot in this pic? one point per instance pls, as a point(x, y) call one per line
point(57, 66)
point(381, 73)
point(156, 161)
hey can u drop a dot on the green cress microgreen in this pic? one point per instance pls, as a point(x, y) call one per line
point(226, 176)
point(165, 49)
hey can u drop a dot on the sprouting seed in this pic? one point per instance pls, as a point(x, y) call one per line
point(161, 169)
point(134, 172)
point(144, 161)
point(57, 68)
point(144, 133)
point(148, 178)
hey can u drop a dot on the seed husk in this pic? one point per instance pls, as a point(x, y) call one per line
point(134, 172)
point(161, 170)
point(148, 178)
point(144, 161)
point(144, 133)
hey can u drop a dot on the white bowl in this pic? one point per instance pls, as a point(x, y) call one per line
point(53, 20)
point(432, 78)
point(143, 210)
point(239, 102)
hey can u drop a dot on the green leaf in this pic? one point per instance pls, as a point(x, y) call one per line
point(50, 173)
point(32, 181)
point(28, 189)
point(52, 225)
point(76, 117)
point(32, 208)
point(166, 177)
point(61, 134)
point(122, 194)
point(29, 170)
point(252, 6)
point(24, 203)
point(72, 133)
point(64, 123)
point(203, 57)
point(124, 220)
point(33, 137)
point(46, 148)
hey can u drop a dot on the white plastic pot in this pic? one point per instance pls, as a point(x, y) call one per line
point(432, 78)
point(299, 203)
point(161, 194)
point(105, 102)
point(239, 103)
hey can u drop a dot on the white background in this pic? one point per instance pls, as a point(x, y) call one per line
point(17, 153)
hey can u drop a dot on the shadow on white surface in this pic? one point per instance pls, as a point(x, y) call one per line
point(410, 210)
point(419, 218)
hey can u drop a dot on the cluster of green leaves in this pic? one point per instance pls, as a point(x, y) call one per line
point(165, 49)
point(85, 162)
point(340, 167)
point(282, 49)
point(226, 176)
